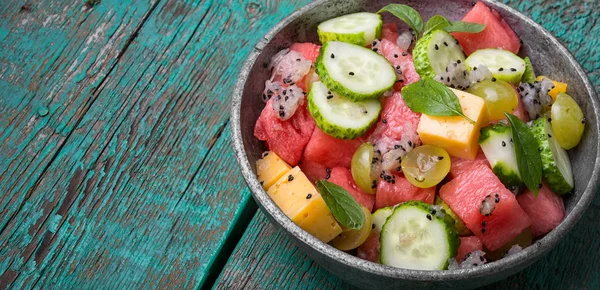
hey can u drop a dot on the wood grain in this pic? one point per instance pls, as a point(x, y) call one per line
point(267, 258)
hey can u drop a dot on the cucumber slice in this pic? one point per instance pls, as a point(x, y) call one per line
point(496, 143)
point(380, 216)
point(413, 238)
point(339, 116)
point(461, 228)
point(503, 64)
point(353, 71)
point(358, 28)
point(556, 166)
point(528, 74)
point(434, 52)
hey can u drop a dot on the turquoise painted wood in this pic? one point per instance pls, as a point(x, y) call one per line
point(267, 258)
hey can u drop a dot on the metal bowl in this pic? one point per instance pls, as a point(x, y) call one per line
point(549, 58)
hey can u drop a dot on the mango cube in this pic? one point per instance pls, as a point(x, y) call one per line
point(298, 198)
point(270, 168)
point(456, 134)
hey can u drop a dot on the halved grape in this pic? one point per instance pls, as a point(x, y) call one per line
point(567, 121)
point(350, 239)
point(361, 168)
point(499, 97)
point(426, 166)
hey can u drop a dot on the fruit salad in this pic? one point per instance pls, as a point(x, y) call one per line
point(426, 145)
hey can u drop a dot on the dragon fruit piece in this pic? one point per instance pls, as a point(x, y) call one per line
point(513, 250)
point(288, 101)
point(472, 259)
point(405, 40)
point(488, 204)
point(271, 89)
point(291, 66)
point(458, 76)
point(535, 97)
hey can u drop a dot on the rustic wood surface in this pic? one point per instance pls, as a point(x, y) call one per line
point(116, 168)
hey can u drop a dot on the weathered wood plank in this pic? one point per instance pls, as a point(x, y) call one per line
point(145, 190)
point(266, 257)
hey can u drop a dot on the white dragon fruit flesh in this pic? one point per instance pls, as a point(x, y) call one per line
point(287, 101)
point(472, 259)
point(458, 76)
point(290, 65)
point(535, 97)
point(405, 40)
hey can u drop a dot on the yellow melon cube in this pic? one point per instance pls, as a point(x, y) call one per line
point(558, 87)
point(455, 134)
point(298, 198)
point(270, 168)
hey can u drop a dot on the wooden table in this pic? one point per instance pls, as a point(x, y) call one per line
point(116, 166)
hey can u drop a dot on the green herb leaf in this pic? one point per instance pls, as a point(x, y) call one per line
point(407, 14)
point(436, 22)
point(528, 156)
point(529, 74)
point(432, 98)
point(460, 26)
point(343, 206)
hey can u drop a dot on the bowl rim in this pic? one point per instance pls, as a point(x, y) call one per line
point(524, 258)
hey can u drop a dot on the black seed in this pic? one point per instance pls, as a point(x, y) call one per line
point(481, 258)
point(452, 86)
point(281, 114)
point(290, 177)
point(473, 3)
point(497, 198)
point(446, 44)
point(262, 183)
point(493, 79)
point(583, 121)
point(457, 42)
point(483, 231)
point(298, 59)
point(308, 196)
point(393, 181)
point(437, 47)
point(455, 64)
point(475, 68)
point(458, 61)
point(440, 157)
point(402, 147)
point(284, 92)
point(429, 217)
point(448, 79)
point(351, 73)
point(395, 56)
point(513, 69)
point(280, 107)
point(404, 54)
point(446, 69)
point(398, 169)
point(374, 185)
point(409, 143)
point(329, 97)
point(328, 170)
point(332, 56)
point(375, 49)
point(540, 185)
point(465, 73)
point(327, 176)
point(503, 144)
point(483, 223)
point(372, 226)
point(501, 69)
point(383, 121)
point(549, 136)
point(265, 65)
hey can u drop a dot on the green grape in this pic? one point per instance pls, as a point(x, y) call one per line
point(361, 168)
point(426, 166)
point(350, 238)
point(567, 121)
point(499, 97)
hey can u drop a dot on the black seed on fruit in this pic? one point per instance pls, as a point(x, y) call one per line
point(372, 226)
point(308, 196)
point(483, 223)
point(290, 177)
point(429, 217)
point(475, 68)
point(483, 231)
point(281, 114)
point(501, 69)
point(375, 49)
point(395, 56)
point(332, 55)
point(404, 53)
point(540, 185)
point(437, 47)
point(351, 73)
point(458, 61)
point(513, 69)
point(493, 79)
point(440, 157)
point(549, 119)
point(549, 136)
point(503, 144)
point(446, 44)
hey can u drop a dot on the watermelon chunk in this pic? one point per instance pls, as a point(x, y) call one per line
point(313, 170)
point(343, 177)
point(465, 193)
point(286, 138)
point(497, 33)
point(390, 32)
point(369, 250)
point(467, 245)
point(546, 210)
point(460, 165)
point(399, 57)
point(329, 151)
point(397, 122)
point(390, 194)
point(310, 51)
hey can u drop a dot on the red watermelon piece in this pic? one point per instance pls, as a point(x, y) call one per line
point(343, 177)
point(390, 32)
point(465, 193)
point(399, 57)
point(330, 151)
point(460, 165)
point(546, 210)
point(313, 170)
point(309, 50)
point(468, 245)
point(390, 194)
point(397, 122)
point(369, 250)
point(286, 138)
point(497, 33)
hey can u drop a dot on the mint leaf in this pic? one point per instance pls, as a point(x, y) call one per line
point(343, 206)
point(432, 98)
point(436, 22)
point(460, 26)
point(407, 14)
point(528, 156)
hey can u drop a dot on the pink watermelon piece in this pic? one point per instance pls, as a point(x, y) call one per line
point(390, 32)
point(369, 250)
point(399, 57)
point(343, 177)
point(546, 210)
point(497, 33)
point(330, 151)
point(286, 138)
point(310, 51)
point(313, 170)
point(465, 193)
point(397, 122)
point(390, 194)
point(460, 165)
point(467, 245)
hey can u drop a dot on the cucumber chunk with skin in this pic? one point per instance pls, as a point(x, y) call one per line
point(353, 71)
point(434, 52)
point(496, 143)
point(338, 116)
point(414, 238)
point(357, 28)
point(556, 166)
point(503, 64)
